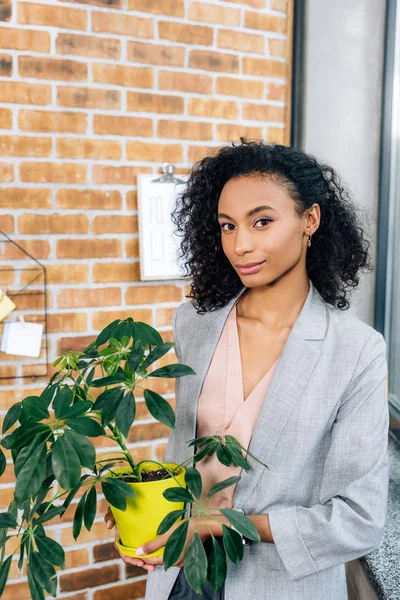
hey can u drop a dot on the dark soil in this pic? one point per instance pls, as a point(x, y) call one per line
point(149, 476)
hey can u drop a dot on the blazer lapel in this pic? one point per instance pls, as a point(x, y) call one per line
point(296, 363)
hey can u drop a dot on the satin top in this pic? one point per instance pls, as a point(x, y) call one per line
point(222, 410)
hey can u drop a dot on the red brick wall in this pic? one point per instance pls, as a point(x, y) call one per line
point(91, 94)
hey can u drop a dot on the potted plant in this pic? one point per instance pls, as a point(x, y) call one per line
point(54, 459)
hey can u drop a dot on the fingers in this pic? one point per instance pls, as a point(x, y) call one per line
point(137, 562)
point(109, 519)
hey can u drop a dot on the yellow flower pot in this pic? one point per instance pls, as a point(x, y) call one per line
point(145, 511)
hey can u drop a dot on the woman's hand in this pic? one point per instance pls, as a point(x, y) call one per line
point(203, 529)
point(138, 562)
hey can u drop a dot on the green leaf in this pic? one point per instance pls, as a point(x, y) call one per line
point(7, 520)
point(4, 570)
point(105, 334)
point(110, 408)
point(31, 475)
point(77, 409)
point(217, 487)
point(126, 412)
point(83, 447)
point(50, 550)
point(195, 564)
point(34, 586)
point(22, 551)
point(22, 435)
point(233, 544)
point(238, 459)
point(224, 455)
point(47, 394)
point(49, 514)
point(174, 545)
point(116, 492)
point(35, 407)
point(27, 450)
point(62, 401)
point(146, 334)
point(3, 462)
point(159, 408)
point(217, 567)
point(86, 426)
point(135, 355)
point(157, 353)
point(172, 371)
point(12, 416)
point(119, 377)
point(169, 520)
point(176, 494)
point(242, 524)
point(193, 481)
point(78, 517)
point(89, 512)
point(44, 573)
point(66, 464)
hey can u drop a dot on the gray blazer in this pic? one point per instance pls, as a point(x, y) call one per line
point(323, 432)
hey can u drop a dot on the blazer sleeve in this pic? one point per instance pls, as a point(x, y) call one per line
point(349, 520)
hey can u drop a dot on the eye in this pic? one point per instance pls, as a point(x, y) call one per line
point(264, 219)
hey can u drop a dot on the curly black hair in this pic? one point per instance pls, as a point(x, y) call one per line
point(339, 248)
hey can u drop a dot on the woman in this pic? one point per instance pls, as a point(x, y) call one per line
point(279, 362)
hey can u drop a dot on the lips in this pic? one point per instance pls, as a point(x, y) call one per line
point(247, 265)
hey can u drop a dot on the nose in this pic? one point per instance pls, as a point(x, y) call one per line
point(243, 241)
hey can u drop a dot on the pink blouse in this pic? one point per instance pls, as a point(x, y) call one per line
point(222, 410)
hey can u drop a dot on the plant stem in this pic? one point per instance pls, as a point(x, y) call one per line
point(120, 440)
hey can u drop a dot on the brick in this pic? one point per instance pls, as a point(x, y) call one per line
point(277, 135)
point(185, 82)
point(175, 8)
point(24, 39)
point(232, 86)
point(213, 108)
point(120, 75)
point(264, 22)
point(276, 91)
point(55, 223)
point(88, 45)
point(101, 319)
point(117, 175)
point(25, 93)
point(16, 591)
point(263, 112)
point(131, 200)
point(233, 131)
point(115, 272)
point(188, 34)
point(114, 224)
point(25, 198)
point(79, 298)
point(138, 101)
point(147, 294)
point(98, 532)
point(65, 344)
point(71, 273)
point(104, 552)
point(116, 125)
point(66, 322)
point(18, 145)
point(5, 118)
point(7, 224)
point(132, 248)
point(133, 590)
point(39, 248)
point(5, 10)
point(154, 152)
point(252, 3)
point(213, 61)
point(94, 248)
point(53, 172)
point(6, 173)
point(212, 13)
point(89, 578)
point(148, 431)
point(239, 40)
point(104, 3)
point(52, 68)
point(89, 199)
point(264, 67)
point(30, 13)
point(277, 47)
point(78, 97)
point(83, 148)
point(5, 65)
point(281, 5)
point(187, 130)
point(155, 54)
point(133, 26)
point(161, 450)
point(62, 122)
point(198, 152)
point(7, 275)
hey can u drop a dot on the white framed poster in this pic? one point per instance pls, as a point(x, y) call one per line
point(158, 243)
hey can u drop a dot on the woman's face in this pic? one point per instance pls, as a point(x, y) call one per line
point(274, 236)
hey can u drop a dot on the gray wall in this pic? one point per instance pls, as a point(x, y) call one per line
point(342, 105)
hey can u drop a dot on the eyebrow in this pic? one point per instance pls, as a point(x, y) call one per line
point(251, 212)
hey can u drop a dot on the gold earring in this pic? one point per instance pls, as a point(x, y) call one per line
point(309, 241)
